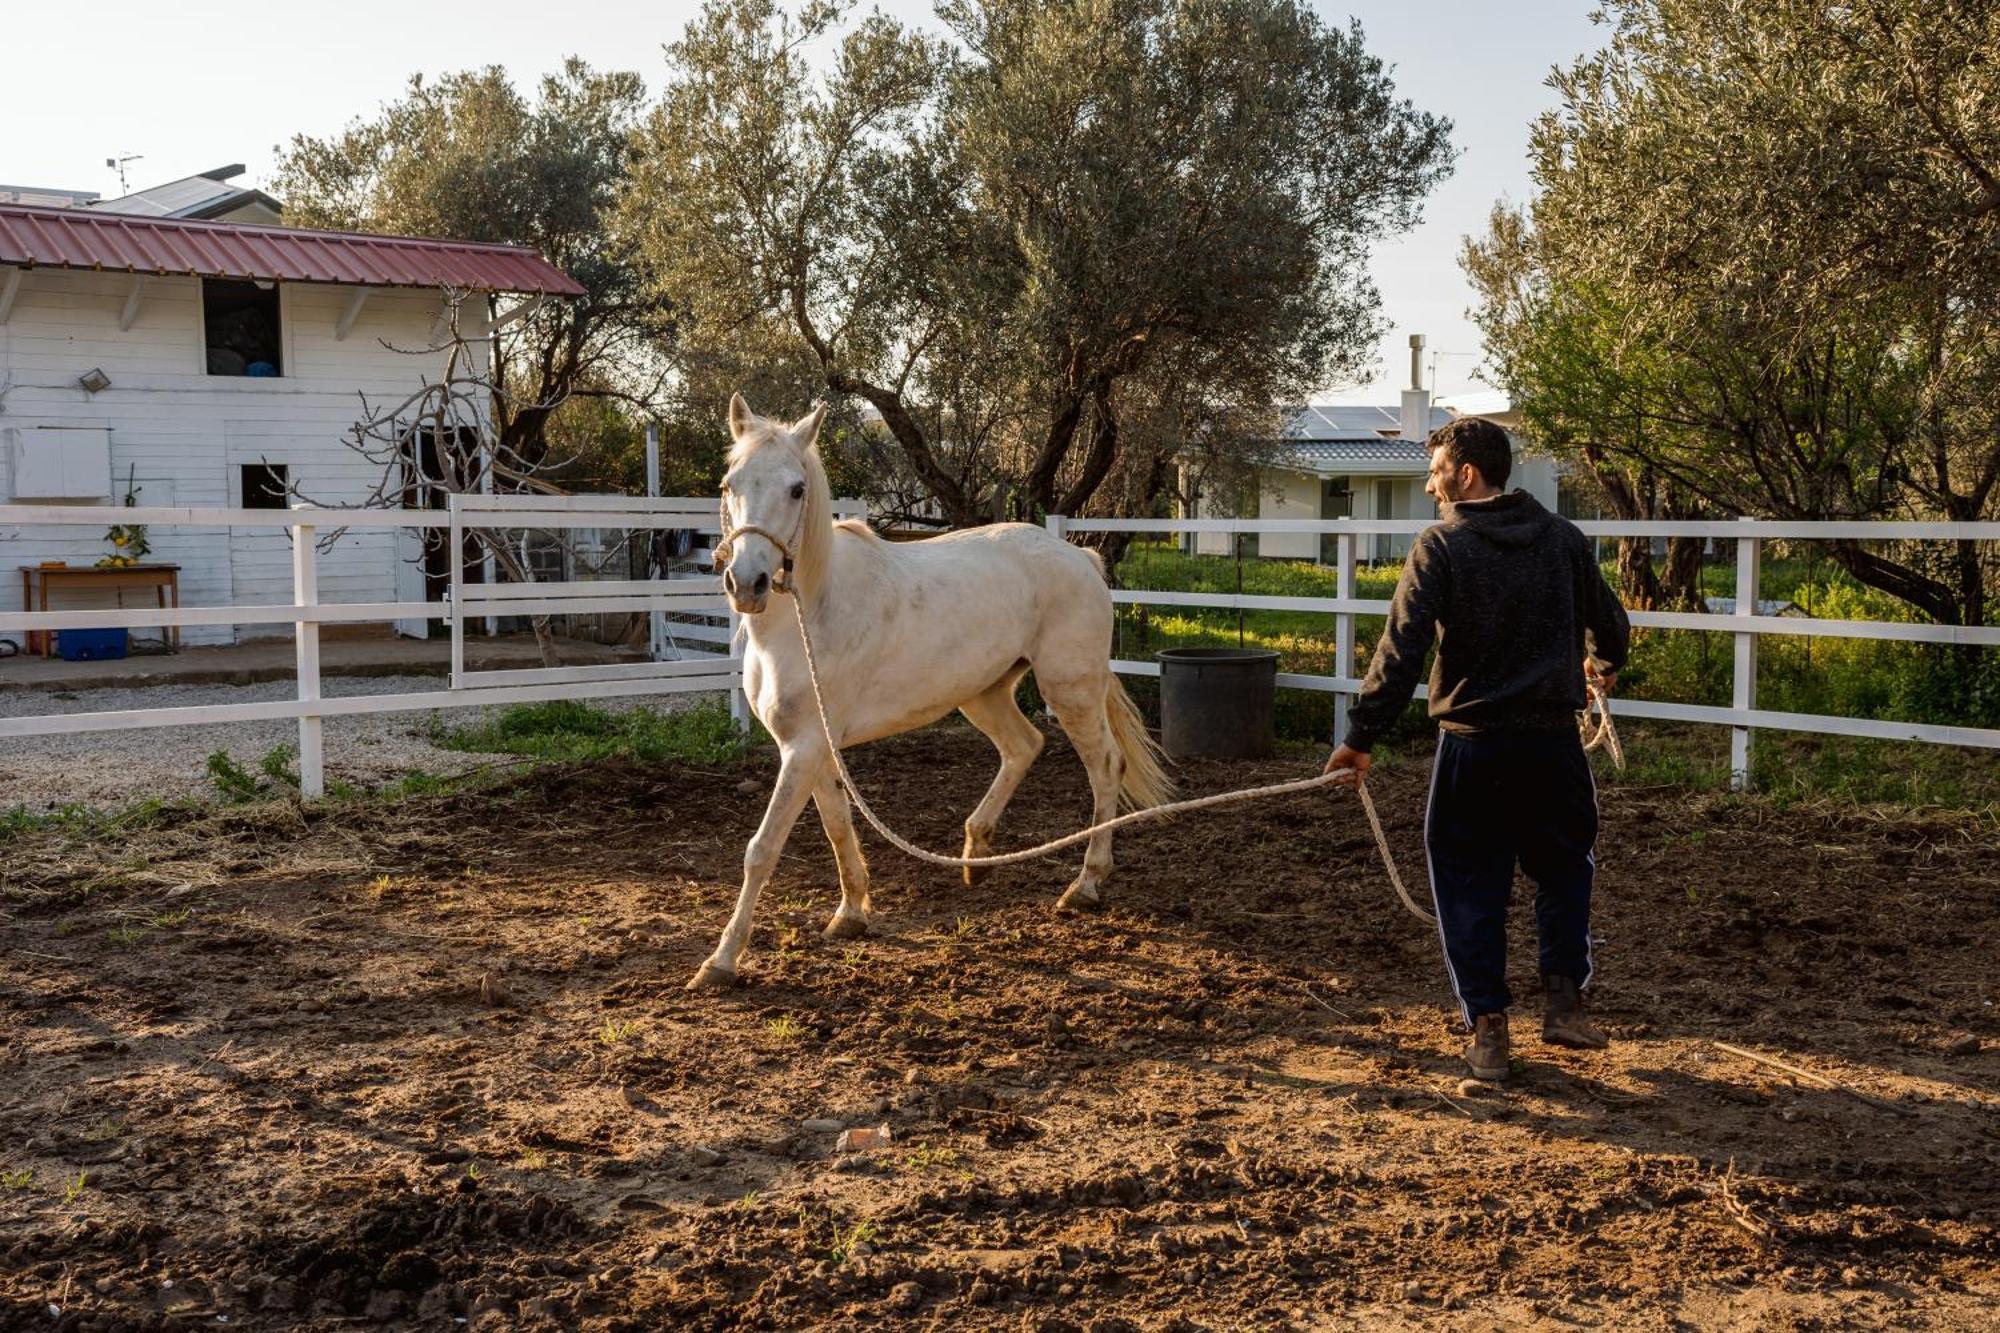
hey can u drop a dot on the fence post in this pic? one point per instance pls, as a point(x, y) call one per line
point(1743, 677)
point(1058, 525)
point(305, 634)
point(1343, 628)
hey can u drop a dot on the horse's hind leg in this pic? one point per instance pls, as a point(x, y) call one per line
point(997, 713)
point(797, 777)
point(1079, 706)
point(851, 919)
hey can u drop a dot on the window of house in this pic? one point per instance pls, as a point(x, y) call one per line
point(266, 486)
point(240, 325)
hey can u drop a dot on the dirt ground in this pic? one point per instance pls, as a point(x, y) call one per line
point(431, 1064)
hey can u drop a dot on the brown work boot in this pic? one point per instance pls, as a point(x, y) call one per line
point(1563, 1023)
point(1490, 1055)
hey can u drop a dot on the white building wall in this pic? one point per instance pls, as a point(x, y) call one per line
point(1282, 494)
point(185, 433)
point(1538, 476)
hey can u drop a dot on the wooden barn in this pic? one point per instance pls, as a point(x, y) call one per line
point(213, 363)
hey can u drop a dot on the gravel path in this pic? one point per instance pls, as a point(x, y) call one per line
point(112, 768)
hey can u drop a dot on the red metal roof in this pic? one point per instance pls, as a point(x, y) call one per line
point(89, 239)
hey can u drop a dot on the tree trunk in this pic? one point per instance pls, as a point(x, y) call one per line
point(962, 509)
point(1680, 589)
point(545, 639)
point(1936, 600)
point(1102, 453)
point(1636, 580)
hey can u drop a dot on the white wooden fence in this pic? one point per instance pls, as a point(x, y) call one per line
point(1742, 716)
point(306, 613)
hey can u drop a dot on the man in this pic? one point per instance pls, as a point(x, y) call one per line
point(1508, 590)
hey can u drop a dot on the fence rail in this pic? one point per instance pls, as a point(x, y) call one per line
point(1745, 624)
point(698, 596)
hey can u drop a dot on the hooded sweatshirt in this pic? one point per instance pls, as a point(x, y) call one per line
point(1507, 590)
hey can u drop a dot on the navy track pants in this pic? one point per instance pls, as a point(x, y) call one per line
point(1498, 800)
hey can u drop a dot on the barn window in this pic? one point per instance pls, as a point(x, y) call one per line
point(266, 486)
point(240, 324)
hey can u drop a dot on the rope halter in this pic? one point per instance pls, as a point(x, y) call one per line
point(725, 548)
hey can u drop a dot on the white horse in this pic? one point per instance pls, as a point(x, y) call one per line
point(903, 633)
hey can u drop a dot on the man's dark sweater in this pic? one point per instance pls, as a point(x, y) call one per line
point(1507, 589)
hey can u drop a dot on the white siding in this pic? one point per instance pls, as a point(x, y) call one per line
point(186, 433)
point(1285, 494)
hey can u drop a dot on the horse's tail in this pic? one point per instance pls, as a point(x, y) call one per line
point(1143, 780)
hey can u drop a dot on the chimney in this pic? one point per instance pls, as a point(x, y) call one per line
point(1416, 398)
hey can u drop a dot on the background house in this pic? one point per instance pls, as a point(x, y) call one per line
point(230, 360)
point(1360, 462)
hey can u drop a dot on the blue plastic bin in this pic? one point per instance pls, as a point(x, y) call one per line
point(90, 645)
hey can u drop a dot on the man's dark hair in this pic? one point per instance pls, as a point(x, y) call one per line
point(1479, 442)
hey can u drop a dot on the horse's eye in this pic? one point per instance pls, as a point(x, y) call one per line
point(798, 490)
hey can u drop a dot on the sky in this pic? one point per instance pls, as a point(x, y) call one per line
point(198, 84)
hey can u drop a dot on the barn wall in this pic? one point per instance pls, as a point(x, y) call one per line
point(185, 433)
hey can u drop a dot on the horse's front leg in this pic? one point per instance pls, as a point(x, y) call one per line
point(799, 773)
point(850, 921)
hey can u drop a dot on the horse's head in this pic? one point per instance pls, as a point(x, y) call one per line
point(774, 499)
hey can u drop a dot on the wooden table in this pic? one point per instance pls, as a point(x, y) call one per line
point(37, 580)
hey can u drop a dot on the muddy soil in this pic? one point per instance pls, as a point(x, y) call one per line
point(431, 1065)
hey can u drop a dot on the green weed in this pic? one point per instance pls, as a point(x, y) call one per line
point(573, 732)
point(846, 1240)
point(233, 783)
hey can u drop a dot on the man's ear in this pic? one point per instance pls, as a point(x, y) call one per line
point(741, 418)
point(805, 431)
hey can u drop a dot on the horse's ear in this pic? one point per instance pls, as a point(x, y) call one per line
point(806, 429)
point(741, 418)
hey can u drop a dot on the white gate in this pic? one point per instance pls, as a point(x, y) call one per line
point(681, 595)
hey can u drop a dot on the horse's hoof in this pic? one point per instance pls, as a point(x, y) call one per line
point(1080, 897)
point(975, 848)
point(846, 927)
point(712, 979)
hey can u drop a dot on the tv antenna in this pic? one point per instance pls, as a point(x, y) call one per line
point(117, 164)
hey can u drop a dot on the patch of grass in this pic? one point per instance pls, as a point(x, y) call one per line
point(574, 732)
point(936, 1161)
point(233, 783)
point(17, 1180)
point(126, 936)
point(614, 1031)
point(277, 765)
point(785, 1029)
point(18, 821)
point(110, 1127)
point(170, 920)
point(1789, 769)
point(847, 1240)
point(74, 1190)
point(533, 1159)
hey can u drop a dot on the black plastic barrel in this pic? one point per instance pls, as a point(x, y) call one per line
point(1218, 703)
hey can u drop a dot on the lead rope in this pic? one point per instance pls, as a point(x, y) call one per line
point(1084, 835)
point(1604, 735)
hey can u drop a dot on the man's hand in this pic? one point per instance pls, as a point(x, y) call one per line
point(1347, 757)
point(1604, 681)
